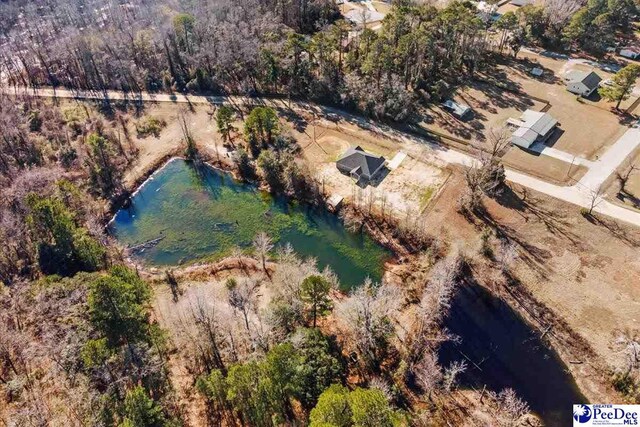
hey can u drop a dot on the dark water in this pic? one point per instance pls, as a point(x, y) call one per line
point(509, 354)
point(203, 214)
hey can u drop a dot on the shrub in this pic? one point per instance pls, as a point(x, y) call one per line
point(150, 126)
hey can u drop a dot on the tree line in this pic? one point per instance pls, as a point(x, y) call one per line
point(299, 49)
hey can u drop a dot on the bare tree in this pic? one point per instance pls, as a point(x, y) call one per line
point(595, 198)
point(366, 317)
point(507, 255)
point(560, 11)
point(210, 337)
point(628, 342)
point(510, 409)
point(236, 253)
point(263, 244)
point(426, 332)
point(428, 373)
point(498, 139)
point(451, 374)
point(243, 297)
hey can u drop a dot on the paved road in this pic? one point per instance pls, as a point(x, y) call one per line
point(602, 168)
point(579, 194)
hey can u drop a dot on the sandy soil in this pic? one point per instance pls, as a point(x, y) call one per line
point(571, 265)
point(407, 188)
point(201, 125)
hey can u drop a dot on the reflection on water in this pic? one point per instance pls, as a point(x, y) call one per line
point(508, 353)
point(183, 214)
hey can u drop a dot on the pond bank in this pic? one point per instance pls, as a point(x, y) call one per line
point(184, 214)
point(380, 234)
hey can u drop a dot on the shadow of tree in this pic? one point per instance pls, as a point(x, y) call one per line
point(616, 230)
point(554, 221)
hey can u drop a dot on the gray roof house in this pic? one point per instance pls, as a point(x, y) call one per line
point(582, 83)
point(532, 127)
point(359, 164)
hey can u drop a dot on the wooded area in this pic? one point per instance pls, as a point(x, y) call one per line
point(79, 340)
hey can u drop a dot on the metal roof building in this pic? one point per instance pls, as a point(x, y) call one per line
point(533, 126)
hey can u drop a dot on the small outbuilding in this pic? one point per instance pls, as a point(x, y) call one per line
point(582, 83)
point(521, 3)
point(536, 72)
point(532, 127)
point(458, 110)
point(359, 164)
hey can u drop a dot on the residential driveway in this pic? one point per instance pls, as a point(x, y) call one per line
point(397, 160)
point(579, 194)
point(544, 150)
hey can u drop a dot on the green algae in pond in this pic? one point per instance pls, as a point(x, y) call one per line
point(192, 215)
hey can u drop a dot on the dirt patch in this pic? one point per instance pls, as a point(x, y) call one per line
point(169, 141)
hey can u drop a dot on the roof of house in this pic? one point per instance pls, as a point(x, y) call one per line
point(590, 80)
point(633, 49)
point(527, 134)
point(359, 16)
point(536, 71)
point(539, 122)
point(358, 161)
point(531, 125)
point(521, 2)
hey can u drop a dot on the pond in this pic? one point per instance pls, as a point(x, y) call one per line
point(183, 214)
point(508, 353)
point(192, 215)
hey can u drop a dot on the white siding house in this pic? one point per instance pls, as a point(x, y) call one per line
point(582, 83)
point(532, 127)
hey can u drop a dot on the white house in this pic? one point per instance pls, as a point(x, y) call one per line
point(582, 83)
point(532, 127)
point(630, 52)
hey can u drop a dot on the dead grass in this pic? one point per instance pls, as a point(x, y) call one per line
point(545, 167)
point(589, 127)
point(200, 123)
point(571, 265)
